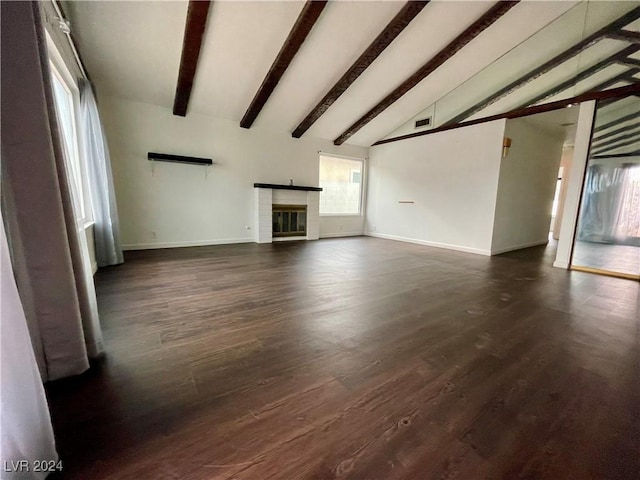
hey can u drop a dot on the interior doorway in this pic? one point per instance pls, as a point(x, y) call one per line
point(560, 127)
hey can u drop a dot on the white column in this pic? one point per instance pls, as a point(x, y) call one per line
point(586, 117)
point(313, 215)
point(263, 227)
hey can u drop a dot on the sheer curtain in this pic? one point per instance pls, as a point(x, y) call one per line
point(610, 206)
point(81, 260)
point(627, 225)
point(96, 153)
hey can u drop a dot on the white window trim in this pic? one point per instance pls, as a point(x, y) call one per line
point(363, 179)
point(59, 68)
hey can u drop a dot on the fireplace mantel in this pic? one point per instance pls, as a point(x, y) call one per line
point(286, 187)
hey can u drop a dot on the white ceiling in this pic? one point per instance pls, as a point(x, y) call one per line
point(132, 50)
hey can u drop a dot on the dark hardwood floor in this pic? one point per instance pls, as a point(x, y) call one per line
point(355, 358)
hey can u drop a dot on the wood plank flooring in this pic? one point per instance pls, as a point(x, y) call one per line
point(355, 358)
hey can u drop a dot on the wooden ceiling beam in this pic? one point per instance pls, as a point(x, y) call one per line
point(298, 34)
point(599, 151)
point(620, 92)
point(549, 65)
point(617, 121)
point(581, 76)
point(625, 76)
point(625, 36)
point(406, 14)
point(614, 141)
point(635, 153)
point(629, 62)
point(475, 29)
point(197, 13)
point(613, 133)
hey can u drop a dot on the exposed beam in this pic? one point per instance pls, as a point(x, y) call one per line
point(581, 76)
point(484, 22)
point(197, 13)
point(625, 36)
point(629, 62)
point(621, 77)
point(617, 146)
point(620, 92)
point(617, 121)
point(635, 153)
point(298, 34)
point(548, 66)
point(382, 41)
point(614, 141)
point(613, 133)
point(608, 102)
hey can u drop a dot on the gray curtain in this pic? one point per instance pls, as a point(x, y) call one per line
point(50, 254)
point(103, 199)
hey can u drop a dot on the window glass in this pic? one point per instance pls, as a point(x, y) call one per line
point(66, 119)
point(341, 182)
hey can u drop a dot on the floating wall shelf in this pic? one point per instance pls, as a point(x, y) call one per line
point(165, 157)
point(286, 187)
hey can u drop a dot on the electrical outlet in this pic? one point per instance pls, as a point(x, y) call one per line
point(247, 227)
point(153, 234)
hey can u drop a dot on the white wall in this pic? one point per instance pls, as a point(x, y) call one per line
point(565, 162)
point(527, 183)
point(165, 204)
point(452, 178)
point(574, 183)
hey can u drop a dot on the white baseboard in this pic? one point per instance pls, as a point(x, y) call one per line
point(519, 247)
point(447, 246)
point(197, 243)
point(558, 264)
point(341, 234)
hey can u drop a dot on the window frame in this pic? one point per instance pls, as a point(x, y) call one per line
point(59, 70)
point(360, 212)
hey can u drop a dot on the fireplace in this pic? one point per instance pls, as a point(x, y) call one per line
point(289, 220)
point(286, 212)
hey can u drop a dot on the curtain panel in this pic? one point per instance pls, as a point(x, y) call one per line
point(26, 431)
point(103, 199)
point(49, 251)
point(610, 205)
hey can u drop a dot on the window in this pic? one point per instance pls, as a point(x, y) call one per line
point(341, 182)
point(66, 99)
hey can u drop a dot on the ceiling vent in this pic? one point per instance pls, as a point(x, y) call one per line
point(425, 122)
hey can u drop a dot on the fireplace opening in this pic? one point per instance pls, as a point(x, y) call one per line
point(289, 220)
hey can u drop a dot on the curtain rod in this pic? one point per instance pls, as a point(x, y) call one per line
point(64, 25)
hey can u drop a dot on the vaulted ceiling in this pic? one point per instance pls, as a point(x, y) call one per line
point(355, 72)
